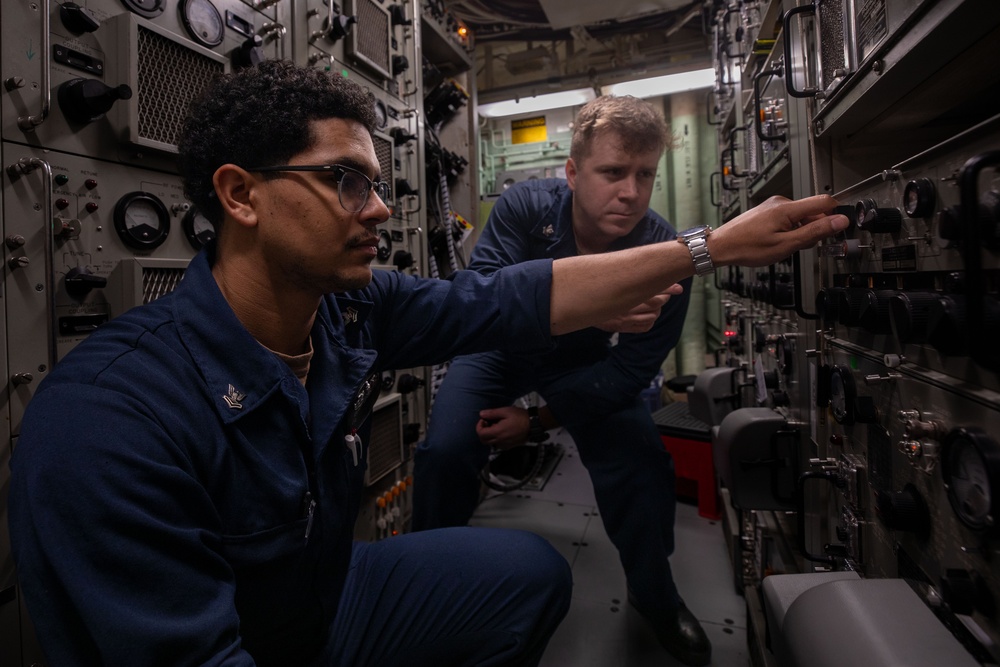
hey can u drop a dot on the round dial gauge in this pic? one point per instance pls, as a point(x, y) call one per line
point(843, 394)
point(198, 229)
point(970, 467)
point(141, 220)
point(919, 198)
point(203, 22)
point(384, 245)
point(145, 8)
point(381, 115)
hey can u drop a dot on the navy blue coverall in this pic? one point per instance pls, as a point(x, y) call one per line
point(592, 388)
point(178, 497)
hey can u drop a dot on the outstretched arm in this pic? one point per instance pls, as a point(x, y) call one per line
point(591, 288)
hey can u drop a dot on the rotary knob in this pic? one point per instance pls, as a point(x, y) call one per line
point(340, 27)
point(80, 281)
point(872, 218)
point(403, 259)
point(87, 100)
point(828, 304)
point(903, 510)
point(852, 304)
point(946, 322)
point(875, 315)
point(249, 53)
point(909, 313)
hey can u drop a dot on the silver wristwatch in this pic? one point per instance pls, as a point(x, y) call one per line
point(695, 240)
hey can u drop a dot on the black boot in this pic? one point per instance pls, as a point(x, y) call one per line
point(679, 632)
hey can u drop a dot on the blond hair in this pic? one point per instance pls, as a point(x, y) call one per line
point(640, 126)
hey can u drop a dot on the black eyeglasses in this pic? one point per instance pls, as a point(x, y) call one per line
point(352, 185)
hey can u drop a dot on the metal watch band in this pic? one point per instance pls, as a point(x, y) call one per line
point(536, 432)
point(700, 256)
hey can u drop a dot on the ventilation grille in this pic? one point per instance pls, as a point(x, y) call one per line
point(832, 43)
point(170, 75)
point(369, 42)
point(158, 282)
point(383, 152)
point(385, 450)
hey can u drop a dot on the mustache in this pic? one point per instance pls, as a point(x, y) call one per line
point(362, 239)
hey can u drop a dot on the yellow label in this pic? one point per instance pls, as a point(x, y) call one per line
point(528, 130)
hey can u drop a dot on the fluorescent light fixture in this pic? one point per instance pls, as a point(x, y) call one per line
point(566, 98)
point(663, 85)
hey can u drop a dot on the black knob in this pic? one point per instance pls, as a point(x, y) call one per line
point(80, 281)
point(852, 303)
point(400, 64)
point(946, 322)
point(873, 219)
point(909, 313)
point(919, 198)
point(401, 136)
point(875, 315)
point(403, 188)
point(950, 224)
point(407, 383)
point(965, 592)
point(865, 410)
point(989, 219)
point(780, 398)
point(850, 212)
point(903, 510)
point(87, 100)
point(77, 19)
point(828, 304)
point(397, 15)
point(340, 27)
point(249, 53)
point(403, 259)
point(783, 295)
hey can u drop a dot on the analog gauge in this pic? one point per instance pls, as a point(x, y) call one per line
point(141, 220)
point(388, 380)
point(198, 229)
point(918, 198)
point(381, 115)
point(203, 22)
point(970, 467)
point(843, 394)
point(145, 8)
point(384, 245)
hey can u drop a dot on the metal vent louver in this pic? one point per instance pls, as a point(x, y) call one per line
point(385, 450)
point(370, 42)
point(170, 75)
point(383, 152)
point(157, 282)
point(835, 44)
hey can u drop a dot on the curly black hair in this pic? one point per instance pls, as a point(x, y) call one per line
point(260, 116)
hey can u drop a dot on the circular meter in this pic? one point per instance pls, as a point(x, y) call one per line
point(141, 220)
point(198, 229)
point(381, 114)
point(145, 8)
point(919, 198)
point(203, 22)
point(384, 250)
point(970, 466)
point(843, 394)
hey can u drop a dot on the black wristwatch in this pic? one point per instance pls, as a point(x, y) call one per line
point(536, 432)
point(695, 240)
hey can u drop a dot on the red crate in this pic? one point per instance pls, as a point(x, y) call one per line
point(695, 473)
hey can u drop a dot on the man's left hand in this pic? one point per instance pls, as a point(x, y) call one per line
point(641, 318)
point(503, 428)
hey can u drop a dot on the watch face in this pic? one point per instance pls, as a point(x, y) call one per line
point(694, 232)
